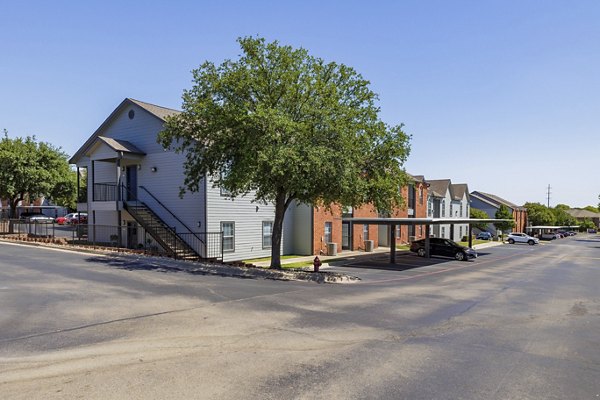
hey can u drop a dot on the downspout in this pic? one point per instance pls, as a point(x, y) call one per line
point(118, 197)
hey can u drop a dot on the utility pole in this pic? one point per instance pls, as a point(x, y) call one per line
point(549, 195)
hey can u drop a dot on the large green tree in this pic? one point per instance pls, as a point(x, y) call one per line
point(286, 126)
point(479, 214)
point(539, 214)
point(32, 169)
point(504, 213)
point(591, 208)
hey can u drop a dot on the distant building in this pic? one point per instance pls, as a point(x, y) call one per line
point(581, 215)
point(490, 204)
point(448, 200)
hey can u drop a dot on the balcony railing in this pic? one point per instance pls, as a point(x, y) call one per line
point(106, 192)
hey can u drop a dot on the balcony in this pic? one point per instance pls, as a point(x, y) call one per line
point(105, 192)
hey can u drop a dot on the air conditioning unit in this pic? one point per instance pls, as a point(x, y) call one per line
point(332, 249)
point(412, 238)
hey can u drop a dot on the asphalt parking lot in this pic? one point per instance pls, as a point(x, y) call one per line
point(519, 322)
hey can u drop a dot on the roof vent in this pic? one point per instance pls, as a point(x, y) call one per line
point(131, 114)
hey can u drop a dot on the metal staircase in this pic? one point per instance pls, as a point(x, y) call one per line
point(164, 235)
point(184, 244)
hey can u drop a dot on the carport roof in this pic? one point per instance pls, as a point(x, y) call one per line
point(551, 226)
point(420, 221)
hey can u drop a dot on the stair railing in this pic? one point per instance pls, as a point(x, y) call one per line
point(127, 194)
point(169, 211)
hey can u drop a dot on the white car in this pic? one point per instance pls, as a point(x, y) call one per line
point(522, 238)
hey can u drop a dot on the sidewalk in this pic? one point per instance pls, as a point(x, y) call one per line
point(324, 259)
point(349, 254)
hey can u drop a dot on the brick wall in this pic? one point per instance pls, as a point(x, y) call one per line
point(320, 216)
point(520, 217)
point(366, 211)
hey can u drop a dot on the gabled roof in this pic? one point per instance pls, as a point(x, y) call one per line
point(120, 145)
point(458, 191)
point(417, 178)
point(157, 111)
point(579, 213)
point(439, 187)
point(494, 200)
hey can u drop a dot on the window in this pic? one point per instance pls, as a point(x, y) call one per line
point(429, 206)
point(461, 209)
point(443, 208)
point(421, 195)
point(411, 196)
point(443, 231)
point(328, 232)
point(460, 232)
point(451, 210)
point(398, 232)
point(267, 234)
point(228, 229)
point(365, 232)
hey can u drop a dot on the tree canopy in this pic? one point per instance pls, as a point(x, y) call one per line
point(504, 213)
point(591, 208)
point(479, 214)
point(539, 214)
point(32, 169)
point(287, 126)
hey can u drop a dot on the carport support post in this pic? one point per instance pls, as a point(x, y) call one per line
point(392, 244)
point(470, 230)
point(427, 241)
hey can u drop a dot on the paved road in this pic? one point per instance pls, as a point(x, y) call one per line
point(520, 322)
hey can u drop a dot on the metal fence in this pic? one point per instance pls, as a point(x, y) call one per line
point(208, 245)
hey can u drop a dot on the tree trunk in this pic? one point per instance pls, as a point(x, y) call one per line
point(280, 207)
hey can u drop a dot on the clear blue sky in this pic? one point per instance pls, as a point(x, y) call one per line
point(502, 95)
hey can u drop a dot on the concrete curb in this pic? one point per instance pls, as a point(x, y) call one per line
point(165, 264)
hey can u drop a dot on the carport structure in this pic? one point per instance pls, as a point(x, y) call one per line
point(427, 222)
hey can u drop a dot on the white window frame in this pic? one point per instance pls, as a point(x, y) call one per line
point(232, 250)
point(328, 235)
point(270, 235)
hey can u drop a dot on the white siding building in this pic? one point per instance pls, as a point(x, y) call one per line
point(448, 200)
point(134, 183)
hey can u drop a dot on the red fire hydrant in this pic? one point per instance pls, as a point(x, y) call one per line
point(316, 263)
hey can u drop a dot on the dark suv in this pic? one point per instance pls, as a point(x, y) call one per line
point(443, 247)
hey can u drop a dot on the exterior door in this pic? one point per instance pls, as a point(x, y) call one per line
point(132, 235)
point(132, 182)
point(345, 236)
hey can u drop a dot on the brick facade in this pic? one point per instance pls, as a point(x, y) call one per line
point(321, 215)
point(520, 217)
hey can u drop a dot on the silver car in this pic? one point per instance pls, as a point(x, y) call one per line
point(516, 237)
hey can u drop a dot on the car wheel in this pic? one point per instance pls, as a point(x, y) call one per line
point(511, 241)
point(421, 252)
point(531, 242)
point(460, 256)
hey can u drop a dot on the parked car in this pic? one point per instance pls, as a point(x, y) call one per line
point(38, 217)
point(443, 247)
point(484, 236)
point(516, 237)
point(78, 218)
point(64, 220)
point(549, 236)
